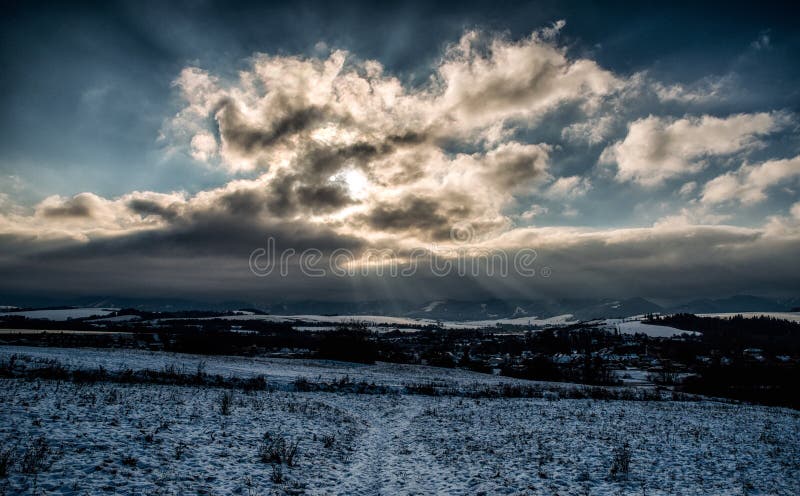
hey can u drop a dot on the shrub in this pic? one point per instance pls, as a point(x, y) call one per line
point(621, 462)
point(51, 371)
point(277, 450)
point(7, 367)
point(424, 389)
point(89, 376)
point(36, 457)
point(113, 397)
point(6, 460)
point(180, 449)
point(349, 345)
point(277, 474)
point(302, 384)
point(226, 402)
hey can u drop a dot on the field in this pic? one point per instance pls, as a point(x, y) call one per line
point(93, 438)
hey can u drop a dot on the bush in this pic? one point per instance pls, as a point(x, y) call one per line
point(89, 376)
point(51, 371)
point(7, 367)
point(6, 460)
point(226, 402)
point(302, 384)
point(348, 345)
point(277, 474)
point(180, 449)
point(36, 457)
point(277, 450)
point(424, 389)
point(621, 462)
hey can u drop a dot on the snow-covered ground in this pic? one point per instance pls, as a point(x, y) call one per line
point(139, 439)
point(331, 319)
point(62, 314)
point(276, 370)
point(793, 316)
point(558, 320)
point(384, 320)
point(118, 318)
point(628, 326)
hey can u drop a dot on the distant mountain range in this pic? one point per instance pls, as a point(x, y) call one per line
point(582, 309)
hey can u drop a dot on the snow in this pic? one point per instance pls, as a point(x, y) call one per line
point(118, 318)
point(146, 439)
point(558, 320)
point(376, 329)
point(637, 327)
point(277, 370)
point(403, 321)
point(62, 314)
point(793, 316)
point(331, 319)
point(62, 331)
point(634, 377)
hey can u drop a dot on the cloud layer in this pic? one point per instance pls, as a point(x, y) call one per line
point(331, 151)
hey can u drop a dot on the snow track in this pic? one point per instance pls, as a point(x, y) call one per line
point(385, 453)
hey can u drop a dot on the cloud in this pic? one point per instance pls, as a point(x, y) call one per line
point(669, 260)
point(657, 149)
point(568, 187)
point(281, 103)
point(514, 166)
point(204, 146)
point(304, 122)
point(414, 213)
point(84, 205)
point(533, 212)
point(762, 42)
point(484, 81)
point(784, 226)
point(592, 131)
point(87, 216)
point(749, 183)
point(688, 188)
point(703, 91)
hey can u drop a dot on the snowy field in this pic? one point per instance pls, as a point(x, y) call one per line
point(385, 320)
point(628, 326)
point(279, 371)
point(334, 320)
point(62, 314)
point(792, 316)
point(154, 439)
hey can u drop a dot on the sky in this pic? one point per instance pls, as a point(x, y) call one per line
point(169, 149)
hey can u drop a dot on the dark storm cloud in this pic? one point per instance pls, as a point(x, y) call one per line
point(241, 136)
point(76, 207)
point(289, 194)
point(513, 166)
point(324, 198)
point(407, 214)
point(247, 203)
point(433, 217)
point(149, 207)
point(183, 259)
